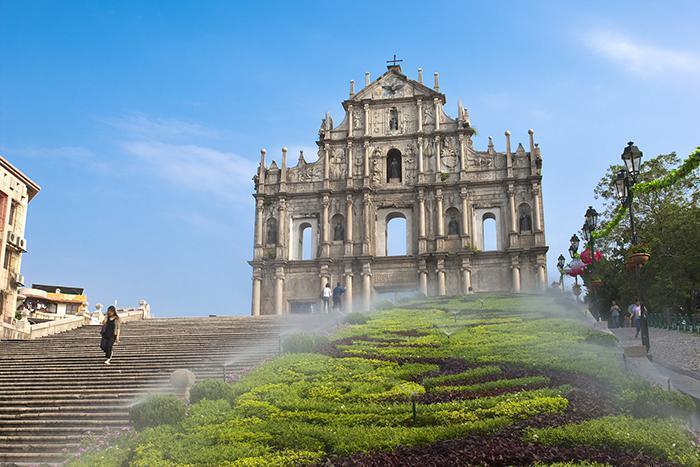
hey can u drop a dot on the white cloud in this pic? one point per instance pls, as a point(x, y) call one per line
point(197, 168)
point(142, 126)
point(643, 59)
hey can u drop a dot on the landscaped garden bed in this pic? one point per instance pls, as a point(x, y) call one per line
point(496, 380)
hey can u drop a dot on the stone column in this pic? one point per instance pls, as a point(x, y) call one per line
point(350, 162)
point(261, 171)
point(422, 243)
point(257, 285)
point(279, 291)
point(283, 171)
point(258, 253)
point(440, 220)
point(509, 156)
point(325, 228)
point(466, 280)
point(349, 121)
point(462, 160)
point(466, 231)
point(516, 275)
point(366, 230)
point(366, 108)
point(437, 113)
point(366, 287)
point(541, 277)
point(513, 239)
point(421, 168)
point(348, 226)
point(442, 290)
point(282, 229)
point(438, 159)
point(537, 214)
point(420, 115)
point(365, 163)
point(348, 291)
point(326, 164)
point(423, 282)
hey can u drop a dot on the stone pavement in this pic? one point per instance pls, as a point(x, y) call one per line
point(669, 348)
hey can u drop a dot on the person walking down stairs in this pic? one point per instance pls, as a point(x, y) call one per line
point(111, 328)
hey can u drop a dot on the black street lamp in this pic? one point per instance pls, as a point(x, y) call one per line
point(624, 181)
point(574, 242)
point(561, 261)
point(591, 218)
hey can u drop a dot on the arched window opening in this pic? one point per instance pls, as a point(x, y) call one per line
point(489, 232)
point(524, 218)
point(305, 242)
point(396, 235)
point(452, 221)
point(393, 119)
point(271, 234)
point(393, 165)
point(338, 228)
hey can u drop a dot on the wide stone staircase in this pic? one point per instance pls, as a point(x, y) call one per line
point(56, 390)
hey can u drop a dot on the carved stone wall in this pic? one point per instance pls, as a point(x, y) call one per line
point(397, 153)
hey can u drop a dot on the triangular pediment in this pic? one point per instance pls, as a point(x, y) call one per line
point(394, 85)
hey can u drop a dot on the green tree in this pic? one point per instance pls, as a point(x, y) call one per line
point(668, 222)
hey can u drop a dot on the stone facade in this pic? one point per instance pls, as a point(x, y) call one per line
point(16, 191)
point(397, 154)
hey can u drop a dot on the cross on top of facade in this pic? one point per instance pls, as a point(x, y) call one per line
point(394, 61)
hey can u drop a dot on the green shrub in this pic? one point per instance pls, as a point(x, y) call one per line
point(356, 317)
point(601, 338)
point(212, 389)
point(650, 401)
point(157, 410)
point(303, 343)
point(658, 437)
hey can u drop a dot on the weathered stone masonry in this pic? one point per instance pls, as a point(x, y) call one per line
point(397, 154)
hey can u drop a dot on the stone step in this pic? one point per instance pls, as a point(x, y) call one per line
point(47, 448)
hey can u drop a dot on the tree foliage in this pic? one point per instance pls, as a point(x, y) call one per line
point(667, 221)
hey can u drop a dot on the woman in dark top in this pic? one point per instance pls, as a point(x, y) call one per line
point(111, 328)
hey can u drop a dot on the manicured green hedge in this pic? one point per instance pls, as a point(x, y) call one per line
point(157, 410)
point(211, 389)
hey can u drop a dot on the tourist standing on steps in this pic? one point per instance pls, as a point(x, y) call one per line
point(615, 315)
point(338, 297)
point(111, 329)
point(326, 297)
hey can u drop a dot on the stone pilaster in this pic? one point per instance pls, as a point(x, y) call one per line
point(420, 115)
point(442, 289)
point(537, 211)
point(365, 164)
point(257, 286)
point(325, 228)
point(422, 241)
point(258, 250)
point(349, 242)
point(366, 109)
point(440, 237)
point(366, 287)
point(438, 110)
point(466, 227)
point(282, 237)
point(280, 308)
point(348, 288)
point(515, 269)
point(513, 240)
point(366, 224)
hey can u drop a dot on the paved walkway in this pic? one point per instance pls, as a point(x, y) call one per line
point(671, 348)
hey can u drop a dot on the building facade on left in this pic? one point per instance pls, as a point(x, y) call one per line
point(16, 191)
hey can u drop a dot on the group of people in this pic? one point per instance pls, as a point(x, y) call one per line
point(632, 316)
point(335, 294)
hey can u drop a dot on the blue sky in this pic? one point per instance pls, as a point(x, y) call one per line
point(143, 121)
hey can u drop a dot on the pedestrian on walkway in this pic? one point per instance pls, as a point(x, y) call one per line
point(111, 331)
point(637, 316)
point(615, 314)
point(338, 292)
point(326, 295)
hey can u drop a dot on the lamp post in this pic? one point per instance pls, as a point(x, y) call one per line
point(561, 261)
point(574, 242)
point(624, 181)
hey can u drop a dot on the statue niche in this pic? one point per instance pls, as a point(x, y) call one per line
point(393, 165)
point(393, 119)
point(338, 228)
point(525, 218)
point(452, 222)
point(271, 231)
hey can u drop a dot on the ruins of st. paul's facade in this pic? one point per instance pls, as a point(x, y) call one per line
point(397, 155)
